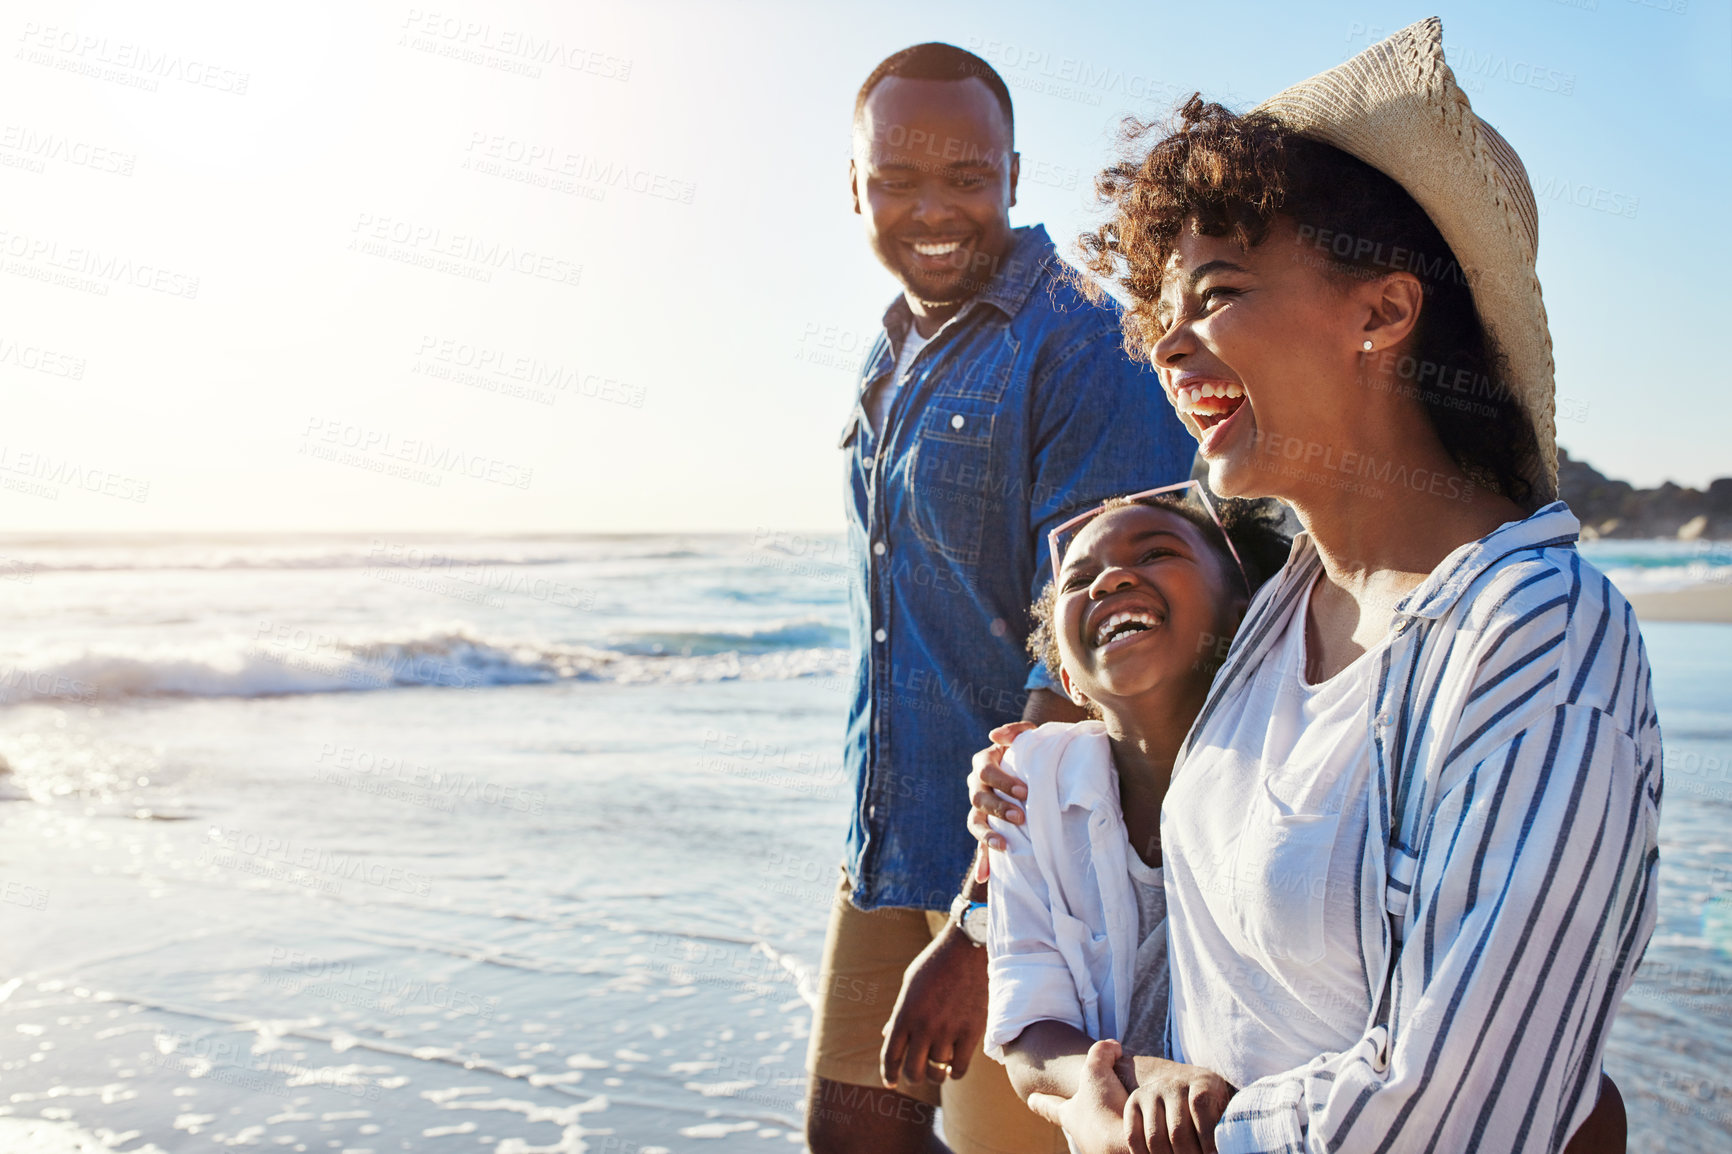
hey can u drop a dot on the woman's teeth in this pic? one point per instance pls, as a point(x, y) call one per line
point(1123, 623)
point(1196, 398)
point(944, 249)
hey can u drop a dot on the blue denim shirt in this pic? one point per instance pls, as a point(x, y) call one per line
point(1021, 411)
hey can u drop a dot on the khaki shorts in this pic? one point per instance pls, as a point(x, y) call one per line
point(865, 955)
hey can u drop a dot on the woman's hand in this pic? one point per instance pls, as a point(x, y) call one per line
point(1174, 1108)
point(992, 791)
point(1094, 1117)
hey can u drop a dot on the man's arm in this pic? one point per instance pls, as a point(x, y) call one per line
point(941, 1010)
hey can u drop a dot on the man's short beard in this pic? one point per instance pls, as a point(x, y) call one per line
point(966, 290)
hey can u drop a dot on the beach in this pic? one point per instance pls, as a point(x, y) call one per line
point(527, 845)
point(1713, 603)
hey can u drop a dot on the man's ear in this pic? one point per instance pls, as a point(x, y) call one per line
point(854, 185)
point(1015, 172)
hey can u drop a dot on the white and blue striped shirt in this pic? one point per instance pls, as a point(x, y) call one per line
point(1510, 867)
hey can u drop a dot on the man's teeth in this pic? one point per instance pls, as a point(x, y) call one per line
point(1112, 624)
point(944, 249)
point(1192, 398)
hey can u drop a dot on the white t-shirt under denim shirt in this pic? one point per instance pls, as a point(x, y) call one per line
point(878, 403)
point(1076, 923)
point(1264, 840)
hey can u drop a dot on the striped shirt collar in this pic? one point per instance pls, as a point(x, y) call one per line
point(1552, 525)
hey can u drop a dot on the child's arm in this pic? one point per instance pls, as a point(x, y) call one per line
point(1053, 1069)
point(1029, 980)
point(1047, 1059)
point(1035, 1019)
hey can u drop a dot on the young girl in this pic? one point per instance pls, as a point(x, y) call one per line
point(1146, 599)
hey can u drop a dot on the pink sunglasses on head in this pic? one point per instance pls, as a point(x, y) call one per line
point(1052, 538)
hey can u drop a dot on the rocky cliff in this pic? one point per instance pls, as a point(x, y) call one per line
point(1609, 508)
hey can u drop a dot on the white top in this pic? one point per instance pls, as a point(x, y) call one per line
point(878, 404)
point(1510, 858)
point(1063, 924)
point(1256, 849)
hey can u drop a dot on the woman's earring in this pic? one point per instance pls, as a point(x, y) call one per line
point(1367, 346)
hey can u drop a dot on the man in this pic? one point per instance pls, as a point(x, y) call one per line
point(996, 400)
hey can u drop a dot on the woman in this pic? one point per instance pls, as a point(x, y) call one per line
point(1410, 842)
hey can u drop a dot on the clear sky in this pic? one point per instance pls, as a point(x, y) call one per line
point(279, 268)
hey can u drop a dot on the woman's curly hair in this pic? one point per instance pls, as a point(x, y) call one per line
point(1254, 527)
point(1224, 174)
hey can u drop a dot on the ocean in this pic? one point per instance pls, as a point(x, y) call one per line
point(527, 844)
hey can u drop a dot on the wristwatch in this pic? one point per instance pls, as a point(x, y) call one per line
point(970, 918)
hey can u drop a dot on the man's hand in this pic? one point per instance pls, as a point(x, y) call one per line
point(940, 1014)
point(991, 790)
point(1174, 1108)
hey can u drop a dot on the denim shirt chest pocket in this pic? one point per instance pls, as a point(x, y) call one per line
point(953, 449)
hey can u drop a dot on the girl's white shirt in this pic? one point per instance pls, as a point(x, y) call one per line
point(1062, 924)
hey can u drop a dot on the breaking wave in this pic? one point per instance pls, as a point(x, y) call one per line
point(286, 660)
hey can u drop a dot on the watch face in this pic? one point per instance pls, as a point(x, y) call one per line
point(974, 924)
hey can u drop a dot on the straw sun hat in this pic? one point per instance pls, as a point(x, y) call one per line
point(1396, 106)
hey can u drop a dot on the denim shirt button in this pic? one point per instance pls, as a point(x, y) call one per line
point(879, 635)
point(956, 421)
point(878, 548)
point(872, 811)
point(867, 461)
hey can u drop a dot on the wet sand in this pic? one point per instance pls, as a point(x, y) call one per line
point(1703, 603)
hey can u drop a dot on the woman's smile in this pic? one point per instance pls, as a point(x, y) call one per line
point(1220, 426)
point(1212, 402)
point(1207, 400)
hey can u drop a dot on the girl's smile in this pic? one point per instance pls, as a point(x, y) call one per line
point(1140, 593)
